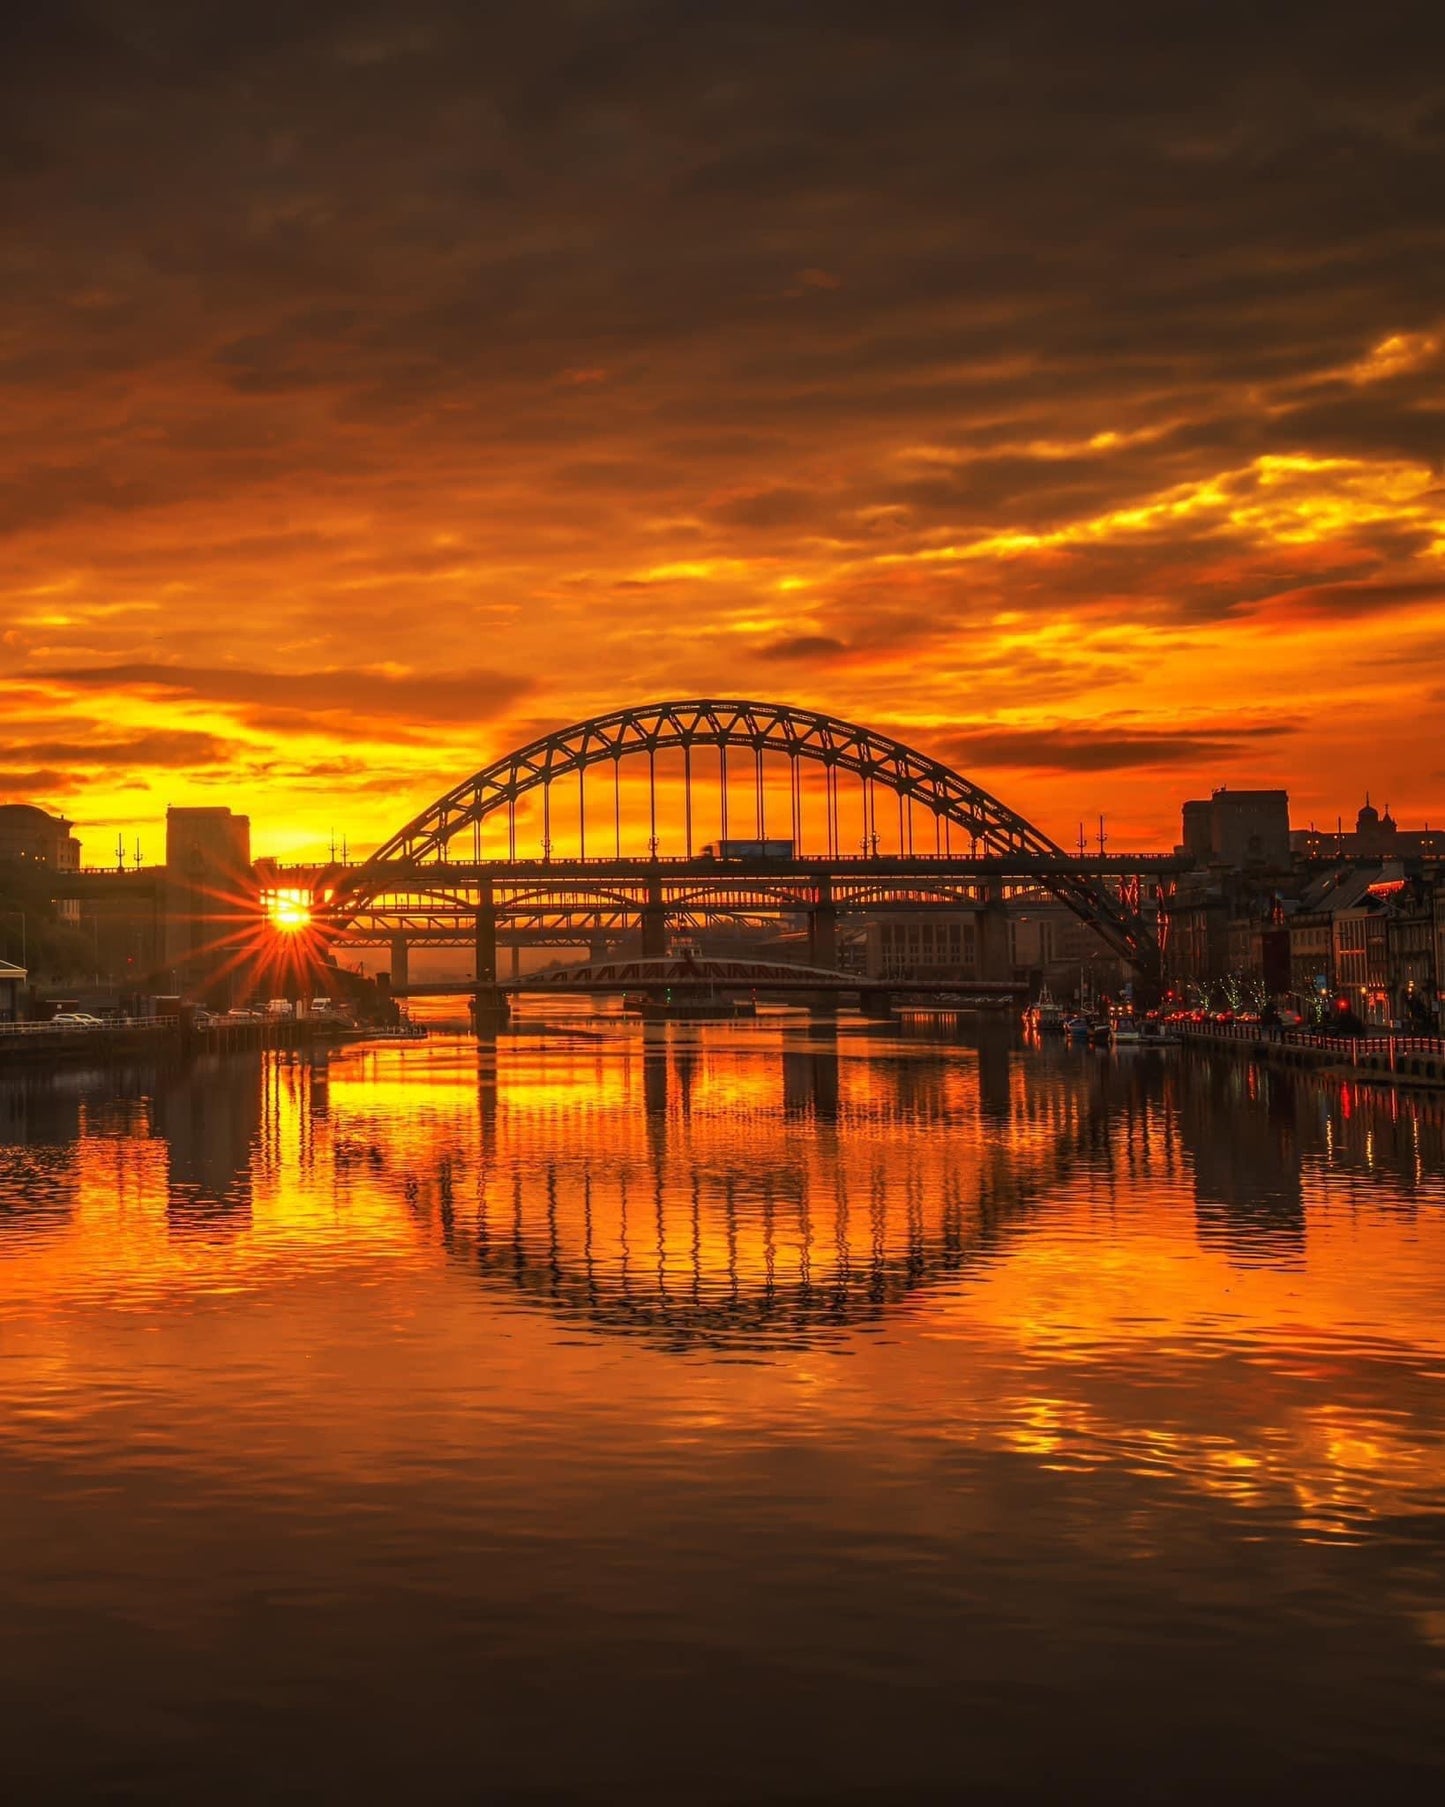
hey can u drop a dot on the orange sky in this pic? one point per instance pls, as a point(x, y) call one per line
point(373, 395)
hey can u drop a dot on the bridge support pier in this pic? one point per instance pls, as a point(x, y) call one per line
point(486, 935)
point(400, 962)
point(491, 1008)
point(823, 926)
point(490, 1005)
point(654, 922)
point(994, 959)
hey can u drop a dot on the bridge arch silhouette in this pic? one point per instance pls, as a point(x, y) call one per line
point(961, 810)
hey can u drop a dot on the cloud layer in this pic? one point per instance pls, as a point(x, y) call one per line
point(1027, 380)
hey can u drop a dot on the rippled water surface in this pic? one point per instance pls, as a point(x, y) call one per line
point(772, 1411)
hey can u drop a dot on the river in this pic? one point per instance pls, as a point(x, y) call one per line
point(779, 1411)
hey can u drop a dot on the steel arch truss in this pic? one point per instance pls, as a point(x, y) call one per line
point(758, 728)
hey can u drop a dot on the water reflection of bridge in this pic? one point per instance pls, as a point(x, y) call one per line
point(754, 1187)
point(760, 1199)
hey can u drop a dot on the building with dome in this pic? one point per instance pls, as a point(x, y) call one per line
point(1376, 835)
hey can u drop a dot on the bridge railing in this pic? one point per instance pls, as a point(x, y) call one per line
point(153, 869)
point(1120, 864)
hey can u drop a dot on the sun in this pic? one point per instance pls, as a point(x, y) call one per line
point(287, 909)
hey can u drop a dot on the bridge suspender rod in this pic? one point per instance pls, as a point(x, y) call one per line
point(512, 828)
point(652, 801)
point(723, 770)
point(582, 812)
point(687, 791)
point(617, 802)
point(901, 848)
point(795, 804)
point(762, 818)
point(546, 818)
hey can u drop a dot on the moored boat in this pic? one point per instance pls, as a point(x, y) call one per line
point(1045, 1016)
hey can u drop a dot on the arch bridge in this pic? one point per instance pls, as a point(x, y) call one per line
point(743, 811)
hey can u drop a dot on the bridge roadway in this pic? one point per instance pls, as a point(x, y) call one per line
point(435, 903)
point(417, 877)
point(486, 904)
point(695, 975)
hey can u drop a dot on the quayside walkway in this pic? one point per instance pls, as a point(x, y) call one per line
point(122, 1038)
point(1385, 1055)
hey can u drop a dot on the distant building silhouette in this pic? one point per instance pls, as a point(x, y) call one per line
point(209, 897)
point(1374, 836)
point(32, 836)
point(1238, 829)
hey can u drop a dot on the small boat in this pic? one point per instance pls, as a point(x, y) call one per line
point(405, 1031)
point(715, 1008)
point(1077, 1028)
point(1101, 1032)
point(1132, 1031)
point(1044, 1016)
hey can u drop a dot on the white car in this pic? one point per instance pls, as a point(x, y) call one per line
point(74, 1019)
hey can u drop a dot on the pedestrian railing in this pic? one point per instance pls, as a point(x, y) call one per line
point(1377, 1042)
point(108, 1022)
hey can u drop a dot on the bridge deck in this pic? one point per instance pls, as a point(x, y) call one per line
point(690, 975)
point(961, 865)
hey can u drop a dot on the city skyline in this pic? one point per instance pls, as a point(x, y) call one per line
point(1355, 832)
point(380, 393)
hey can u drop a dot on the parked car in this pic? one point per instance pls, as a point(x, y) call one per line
point(75, 1019)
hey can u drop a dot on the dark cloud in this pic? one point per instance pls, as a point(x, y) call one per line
point(1343, 600)
point(1106, 750)
point(445, 696)
point(177, 749)
point(803, 646)
point(19, 784)
point(783, 506)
